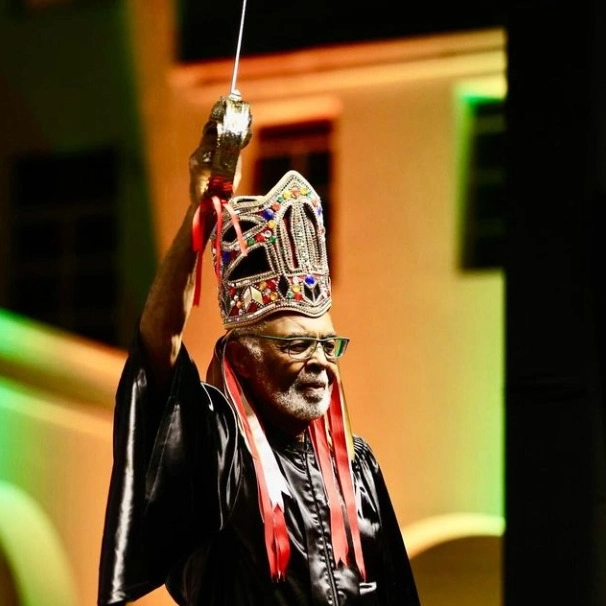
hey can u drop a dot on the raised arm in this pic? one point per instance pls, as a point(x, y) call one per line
point(170, 299)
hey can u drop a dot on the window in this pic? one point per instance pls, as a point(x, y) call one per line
point(63, 238)
point(483, 185)
point(304, 147)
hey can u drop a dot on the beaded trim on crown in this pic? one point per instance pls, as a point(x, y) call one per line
point(285, 265)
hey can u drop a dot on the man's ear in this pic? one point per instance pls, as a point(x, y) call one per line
point(240, 358)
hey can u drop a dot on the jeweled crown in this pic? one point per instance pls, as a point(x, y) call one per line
point(284, 264)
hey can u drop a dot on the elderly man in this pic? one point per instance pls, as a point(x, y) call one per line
point(247, 488)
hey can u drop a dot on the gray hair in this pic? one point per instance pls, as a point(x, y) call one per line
point(241, 333)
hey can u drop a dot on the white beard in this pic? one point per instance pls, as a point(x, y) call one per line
point(302, 406)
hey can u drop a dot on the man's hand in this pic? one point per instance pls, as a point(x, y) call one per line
point(226, 133)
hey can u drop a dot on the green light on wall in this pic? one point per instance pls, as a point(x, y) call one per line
point(481, 176)
point(57, 362)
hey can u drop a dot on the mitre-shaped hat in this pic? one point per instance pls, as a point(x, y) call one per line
point(269, 253)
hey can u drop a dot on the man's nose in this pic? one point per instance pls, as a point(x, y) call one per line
point(318, 354)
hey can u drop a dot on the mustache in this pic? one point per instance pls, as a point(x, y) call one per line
point(315, 377)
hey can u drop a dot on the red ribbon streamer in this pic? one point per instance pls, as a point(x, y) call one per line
point(218, 192)
point(337, 522)
point(277, 543)
point(343, 472)
point(337, 430)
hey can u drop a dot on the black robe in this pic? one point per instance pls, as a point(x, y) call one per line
point(183, 509)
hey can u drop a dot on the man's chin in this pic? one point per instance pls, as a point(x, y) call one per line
point(318, 405)
point(314, 394)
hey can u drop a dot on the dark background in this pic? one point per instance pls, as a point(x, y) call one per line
point(283, 25)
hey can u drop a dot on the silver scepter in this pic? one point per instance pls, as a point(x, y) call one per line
point(233, 90)
point(227, 131)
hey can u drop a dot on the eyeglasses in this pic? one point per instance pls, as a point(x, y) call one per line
point(303, 348)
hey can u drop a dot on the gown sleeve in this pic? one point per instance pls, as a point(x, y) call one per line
point(155, 512)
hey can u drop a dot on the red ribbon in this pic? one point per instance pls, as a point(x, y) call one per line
point(337, 521)
point(277, 543)
point(343, 472)
point(218, 192)
point(337, 430)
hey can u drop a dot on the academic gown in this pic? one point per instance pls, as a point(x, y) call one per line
point(183, 509)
